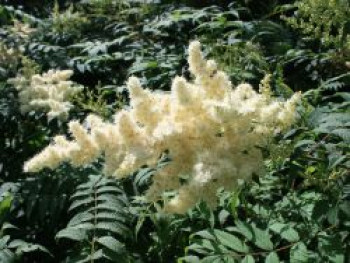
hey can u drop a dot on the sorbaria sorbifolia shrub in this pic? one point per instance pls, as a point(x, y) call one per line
point(211, 131)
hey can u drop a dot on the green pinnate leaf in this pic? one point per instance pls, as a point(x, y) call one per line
point(286, 231)
point(72, 233)
point(230, 241)
point(248, 259)
point(112, 244)
point(300, 254)
point(272, 258)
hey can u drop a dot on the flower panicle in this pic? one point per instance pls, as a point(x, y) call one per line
point(211, 131)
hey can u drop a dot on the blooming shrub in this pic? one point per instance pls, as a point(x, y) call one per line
point(67, 22)
point(9, 58)
point(49, 91)
point(326, 20)
point(212, 133)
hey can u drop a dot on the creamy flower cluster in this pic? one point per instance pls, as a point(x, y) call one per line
point(212, 133)
point(9, 57)
point(50, 91)
point(22, 30)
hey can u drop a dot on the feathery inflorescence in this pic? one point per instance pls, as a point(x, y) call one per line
point(50, 92)
point(212, 132)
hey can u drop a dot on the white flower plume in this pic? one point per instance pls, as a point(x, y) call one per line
point(212, 132)
point(50, 92)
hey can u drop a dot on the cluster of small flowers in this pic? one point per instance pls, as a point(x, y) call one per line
point(22, 30)
point(326, 20)
point(212, 133)
point(9, 57)
point(67, 22)
point(50, 91)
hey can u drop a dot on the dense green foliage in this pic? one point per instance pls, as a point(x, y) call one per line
point(298, 212)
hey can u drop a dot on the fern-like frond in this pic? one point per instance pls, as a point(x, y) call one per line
point(101, 221)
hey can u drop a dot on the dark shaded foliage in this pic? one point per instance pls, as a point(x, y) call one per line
point(298, 212)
